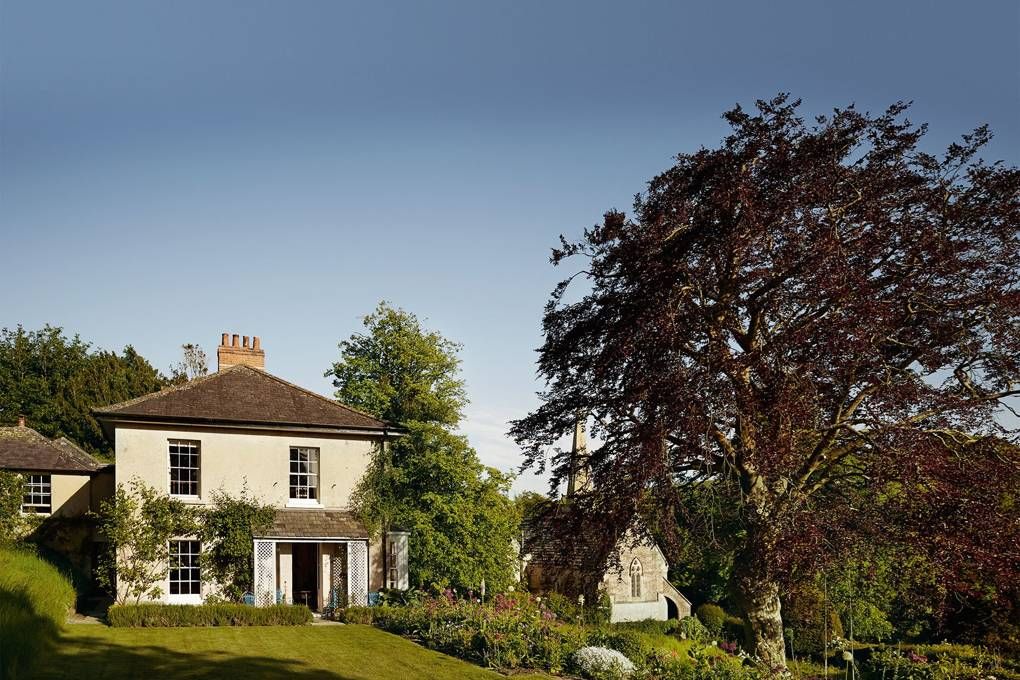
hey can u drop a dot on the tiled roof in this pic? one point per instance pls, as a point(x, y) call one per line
point(301, 523)
point(22, 448)
point(241, 394)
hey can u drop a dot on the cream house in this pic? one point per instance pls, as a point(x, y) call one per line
point(243, 428)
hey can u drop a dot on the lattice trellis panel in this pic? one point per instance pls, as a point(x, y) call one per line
point(338, 576)
point(265, 573)
point(357, 581)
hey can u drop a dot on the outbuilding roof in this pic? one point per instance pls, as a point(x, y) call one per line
point(24, 449)
point(242, 395)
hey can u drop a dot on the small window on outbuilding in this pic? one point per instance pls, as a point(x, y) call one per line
point(38, 494)
point(635, 578)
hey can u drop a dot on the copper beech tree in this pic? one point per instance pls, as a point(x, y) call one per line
point(819, 315)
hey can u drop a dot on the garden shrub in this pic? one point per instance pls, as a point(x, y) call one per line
point(35, 599)
point(155, 615)
point(713, 616)
point(630, 643)
point(361, 615)
point(600, 663)
point(699, 664)
point(563, 607)
point(733, 628)
point(691, 628)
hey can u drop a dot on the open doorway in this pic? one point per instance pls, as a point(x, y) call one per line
point(672, 611)
point(305, 578)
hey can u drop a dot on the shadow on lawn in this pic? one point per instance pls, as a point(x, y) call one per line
point(25, 635)
point(75, 657)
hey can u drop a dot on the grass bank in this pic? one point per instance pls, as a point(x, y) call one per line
point(35, 598)
point(295, 652)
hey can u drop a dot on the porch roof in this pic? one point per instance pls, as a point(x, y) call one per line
point(314, 523)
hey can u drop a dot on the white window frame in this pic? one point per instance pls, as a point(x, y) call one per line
point(191, 564)
point(393, 575)
point(38, 494)
point(312, 497)
point(196, 450)
point(635, 578)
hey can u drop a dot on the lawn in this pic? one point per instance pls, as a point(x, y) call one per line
point(348, 652)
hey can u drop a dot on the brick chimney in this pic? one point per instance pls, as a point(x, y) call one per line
point(231, 352)
point(578, 481)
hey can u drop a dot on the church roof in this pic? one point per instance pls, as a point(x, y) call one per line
point(242, 395)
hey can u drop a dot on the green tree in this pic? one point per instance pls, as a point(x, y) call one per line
point(400, 372)
point(12, 523)
point(193, 364)
point(138, 523)
point(227, 530)
point(56, 381)
point(430, 481)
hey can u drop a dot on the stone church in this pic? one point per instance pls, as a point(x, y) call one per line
point(565, 552)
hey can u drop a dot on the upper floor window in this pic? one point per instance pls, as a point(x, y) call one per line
point(184, 461)
point(38, 494)
point(304, 473)
point(635, 578)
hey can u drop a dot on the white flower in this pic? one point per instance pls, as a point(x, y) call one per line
point(602, 662)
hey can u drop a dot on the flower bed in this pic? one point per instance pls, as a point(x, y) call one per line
point(520, 631)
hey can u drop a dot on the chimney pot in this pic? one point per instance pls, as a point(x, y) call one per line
point(244, 342)
point(255, 343)
point(225, 339)
point(235, 339)
point(21, 421)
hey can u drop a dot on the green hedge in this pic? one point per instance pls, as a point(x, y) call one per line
point(35, 598)
point(153, 615)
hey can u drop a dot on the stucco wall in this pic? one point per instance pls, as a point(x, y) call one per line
point(640, 611)
point(230, 457)
point(69, 494)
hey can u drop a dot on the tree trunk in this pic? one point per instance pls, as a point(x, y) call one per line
point(757, 592)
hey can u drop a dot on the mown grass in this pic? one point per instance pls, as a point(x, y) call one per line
point(35, 598)
point(350, 652)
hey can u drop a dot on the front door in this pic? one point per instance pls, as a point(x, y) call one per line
point(305, 577)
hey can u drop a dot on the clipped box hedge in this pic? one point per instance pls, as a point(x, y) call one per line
point(153, 615)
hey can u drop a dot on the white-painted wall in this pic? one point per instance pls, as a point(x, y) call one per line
point(229, 458)
point(640, 611)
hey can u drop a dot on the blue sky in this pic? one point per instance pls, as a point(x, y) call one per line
point(173, 170)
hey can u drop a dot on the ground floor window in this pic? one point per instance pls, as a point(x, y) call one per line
point(185, 575)
point(38, 496)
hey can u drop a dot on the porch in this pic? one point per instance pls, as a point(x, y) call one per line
point(322, 573)
point(318, 557)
